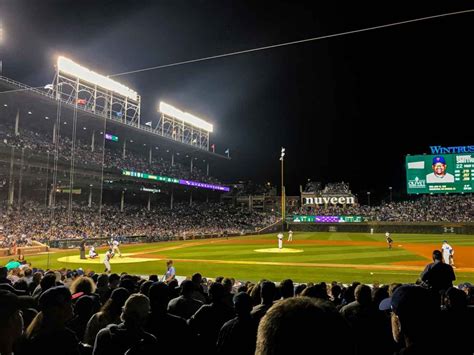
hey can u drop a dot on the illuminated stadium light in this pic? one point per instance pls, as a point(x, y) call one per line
point(29, 112)
point(67, 66)
point(185, 117)
point(5, 105)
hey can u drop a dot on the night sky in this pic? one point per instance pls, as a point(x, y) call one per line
point(346, 109)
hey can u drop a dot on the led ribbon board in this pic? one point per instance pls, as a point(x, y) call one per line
point(328, 219)
point(197, 184)
point(111, 137)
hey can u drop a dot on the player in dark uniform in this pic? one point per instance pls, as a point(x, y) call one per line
point(389, 240)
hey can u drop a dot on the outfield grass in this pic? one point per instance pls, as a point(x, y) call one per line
point(236, 257)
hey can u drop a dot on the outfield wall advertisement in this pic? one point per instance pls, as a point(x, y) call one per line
point(443, 173)
point(327, 219)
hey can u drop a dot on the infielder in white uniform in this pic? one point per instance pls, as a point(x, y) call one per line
point(109, 255)
point(448, 253)
point(290, 235)
point(280, 240)
point(115, 248)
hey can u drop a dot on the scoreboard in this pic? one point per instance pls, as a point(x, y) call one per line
point(444, 173)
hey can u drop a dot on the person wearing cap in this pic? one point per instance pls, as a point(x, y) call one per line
point(448, 253)
point(439, 174)
point(11, 321)
point(170, 271)
point(108, 255)
point(414, 318)
point(389, 240)
point(48, 332)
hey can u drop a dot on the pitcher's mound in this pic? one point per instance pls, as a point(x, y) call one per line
point(125, 259)
point(277, 250)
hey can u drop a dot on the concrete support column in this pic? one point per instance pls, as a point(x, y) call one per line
point(191, 164)
point(11, 183)
point(149, 156)
point(90, 197)
point(51, 194)
point(20, 180)
point(207, 170)
point(149, 202)
point(54, 133)
point(190, 199)
point(124, 148)
point(122, 201)
point(172, 159)
point(172, 198)
point(93, 141)
point(17, 122)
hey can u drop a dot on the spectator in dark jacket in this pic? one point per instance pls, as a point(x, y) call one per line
point(238, 336)
point(184, 306)
point(118, 339)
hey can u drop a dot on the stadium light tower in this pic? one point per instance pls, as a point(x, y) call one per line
point(1, 43)
point(368, 198)
point(282, 159)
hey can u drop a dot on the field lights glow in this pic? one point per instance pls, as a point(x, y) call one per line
point(67, 66)
point(185, 117)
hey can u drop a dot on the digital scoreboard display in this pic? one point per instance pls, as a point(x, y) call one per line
point(442, 173)
point(327, 219)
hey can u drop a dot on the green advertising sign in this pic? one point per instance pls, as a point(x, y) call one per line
point(444, 173)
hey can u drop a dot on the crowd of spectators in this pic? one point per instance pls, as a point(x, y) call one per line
point(81, 312)
point(336, 188)
point(440, 208)
point(37, 144)
point(32, 221)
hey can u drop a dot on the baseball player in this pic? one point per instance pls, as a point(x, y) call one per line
point(92, 252)
point(290, 235)
point(371, 231)
point(448, 253)
point(108, 255)
point(389, 240)
point(280, 240)
point(115, 248)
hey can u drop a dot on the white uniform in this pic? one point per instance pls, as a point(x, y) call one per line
point(92, 253)
point(115, 248)
point(371, 231)
point(280, 240)
point(448, 252)
point(290, 236)
point(107, 258)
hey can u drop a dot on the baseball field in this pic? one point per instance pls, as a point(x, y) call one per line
point(310, 257)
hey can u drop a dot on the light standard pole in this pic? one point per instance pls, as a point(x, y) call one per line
point(368, 197)
point(282, 159)
point(390, 191)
